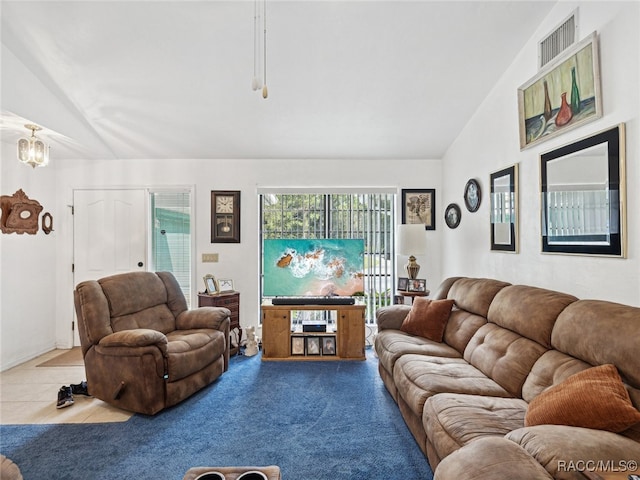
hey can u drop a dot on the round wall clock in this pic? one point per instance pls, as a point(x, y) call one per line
point(472, 195)
point(452, 215)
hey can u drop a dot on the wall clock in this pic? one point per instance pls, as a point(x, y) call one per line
point(225, 216)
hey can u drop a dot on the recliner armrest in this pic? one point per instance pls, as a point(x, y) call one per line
point(140, 337)
point(203, 317)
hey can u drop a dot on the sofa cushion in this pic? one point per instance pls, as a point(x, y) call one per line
point(503, 355)
point(391, 344)
point(462, 325)
point(601, 332)
point(134, 291)
point(453, 420)
point(594, 398)
point(418, 377)
point(427, 318)
point(529, 311)
point(475, 294)
point(550, 369)
point(189, 351)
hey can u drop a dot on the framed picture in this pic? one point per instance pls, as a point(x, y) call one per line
point(210, 285)
point(329, 345)
point(472, 195)
point(418, 285)
point(313, 345)
point(452, 215)
point(403, 284)
point(297, 345)
point(225, 216)
point(562, 96)
point(225, 285)
point(419, 207)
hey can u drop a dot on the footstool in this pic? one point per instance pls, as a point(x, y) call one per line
point(231, 473)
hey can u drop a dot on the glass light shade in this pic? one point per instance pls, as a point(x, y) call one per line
point(33, 151)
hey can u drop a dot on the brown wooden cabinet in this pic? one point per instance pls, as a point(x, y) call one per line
point(230, 300)
point(277, 332)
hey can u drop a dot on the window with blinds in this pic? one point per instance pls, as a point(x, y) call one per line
point(171, 236)
point(340, 215)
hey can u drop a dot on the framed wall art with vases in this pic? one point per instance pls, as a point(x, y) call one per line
point(225, 216)
point(562, 96)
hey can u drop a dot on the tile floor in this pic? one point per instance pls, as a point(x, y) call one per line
point(28, 395)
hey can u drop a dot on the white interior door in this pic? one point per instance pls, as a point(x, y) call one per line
point(109, 234)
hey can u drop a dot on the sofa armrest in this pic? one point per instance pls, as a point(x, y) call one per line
point(561, 447)
point(203, 317)
point(490, 458)
point(140, 337)
point(391, 316)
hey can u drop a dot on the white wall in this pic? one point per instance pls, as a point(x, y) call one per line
point(490, 142)
point(28, 289)
point(240, 262)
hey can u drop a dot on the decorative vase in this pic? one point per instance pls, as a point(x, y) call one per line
point(564, 114)
point(575, 93)
point(547, 102)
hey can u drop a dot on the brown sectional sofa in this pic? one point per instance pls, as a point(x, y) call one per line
point(465, 399)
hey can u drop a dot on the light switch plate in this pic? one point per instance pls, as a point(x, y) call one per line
point(209, 257)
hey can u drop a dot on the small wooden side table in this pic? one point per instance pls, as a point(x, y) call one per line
point(230, 300)
point(401, 295)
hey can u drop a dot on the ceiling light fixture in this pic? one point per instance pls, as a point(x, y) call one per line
point(258, 48)
point(31, 150)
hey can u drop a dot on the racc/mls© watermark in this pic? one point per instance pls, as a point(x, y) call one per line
point(601, 466)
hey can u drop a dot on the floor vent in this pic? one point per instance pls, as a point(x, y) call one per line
point(559, 39)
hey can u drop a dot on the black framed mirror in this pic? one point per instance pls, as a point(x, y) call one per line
point(504, 209)
point(583, 196)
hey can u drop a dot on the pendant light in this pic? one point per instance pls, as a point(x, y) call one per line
point(257, 82)
point(264, 47)
point(31, 150)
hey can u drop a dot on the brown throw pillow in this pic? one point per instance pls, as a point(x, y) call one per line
point(427, 318)
point(594, 398)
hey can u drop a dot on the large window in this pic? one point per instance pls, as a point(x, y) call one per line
point(340, 215)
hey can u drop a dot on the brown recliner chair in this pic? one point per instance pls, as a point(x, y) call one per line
point(143, 349)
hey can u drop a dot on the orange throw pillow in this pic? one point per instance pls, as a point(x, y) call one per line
point(594, 398)
point(427, 318)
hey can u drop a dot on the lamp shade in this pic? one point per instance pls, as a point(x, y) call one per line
point(412, 239)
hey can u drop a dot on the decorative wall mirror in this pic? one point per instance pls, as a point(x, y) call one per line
point(583, 196)
point(504, 209)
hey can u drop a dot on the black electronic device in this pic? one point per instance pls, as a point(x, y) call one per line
point(312, 327)
point(313, 301)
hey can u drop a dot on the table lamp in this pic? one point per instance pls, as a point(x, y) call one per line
point(412, 241)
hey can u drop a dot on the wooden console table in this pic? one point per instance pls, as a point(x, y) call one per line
point(229, 300)
point(277, 332)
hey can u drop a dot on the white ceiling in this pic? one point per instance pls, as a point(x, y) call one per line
point(347, 79)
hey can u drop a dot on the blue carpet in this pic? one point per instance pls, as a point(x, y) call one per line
point(316, 420)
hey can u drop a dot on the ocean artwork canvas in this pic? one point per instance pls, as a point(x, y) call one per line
point(313, 267)
point(563, 95)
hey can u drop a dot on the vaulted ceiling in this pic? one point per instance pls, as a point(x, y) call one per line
point(172, 79)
